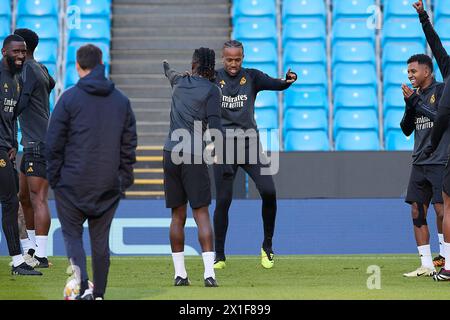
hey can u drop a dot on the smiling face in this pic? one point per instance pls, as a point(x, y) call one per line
point(418, 74)
point(15, 53)
point(232, 60)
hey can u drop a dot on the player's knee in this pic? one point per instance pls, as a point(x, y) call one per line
point(418, 215)
point(269, 194)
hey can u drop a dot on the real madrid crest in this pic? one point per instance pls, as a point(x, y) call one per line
point(2, 163)
point(222, 83)
point(243, 81)
point(432, 99)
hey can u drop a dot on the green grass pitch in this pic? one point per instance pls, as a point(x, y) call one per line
point(293, 277)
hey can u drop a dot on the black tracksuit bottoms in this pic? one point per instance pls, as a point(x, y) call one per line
point(72, 220)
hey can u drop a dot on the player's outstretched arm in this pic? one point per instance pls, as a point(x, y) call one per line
point(171, 74)
point(433, 40)
point(265, 82)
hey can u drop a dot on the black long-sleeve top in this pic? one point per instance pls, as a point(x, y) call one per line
point(442, 119)
point(195, 104)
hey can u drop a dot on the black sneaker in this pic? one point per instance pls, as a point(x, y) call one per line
point(211, 282)
point(31, 252)
point(43, 262)
point(25, 270)
point(179, 282)
point(442, 275)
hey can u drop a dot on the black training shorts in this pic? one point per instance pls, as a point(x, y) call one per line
point(425, 184)
point(186, 182)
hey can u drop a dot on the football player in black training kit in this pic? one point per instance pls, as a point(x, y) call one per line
point(239, 89)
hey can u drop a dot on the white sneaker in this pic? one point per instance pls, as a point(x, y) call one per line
point(421, 271)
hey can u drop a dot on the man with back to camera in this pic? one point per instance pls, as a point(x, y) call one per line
point(34, 112)
point(13, 52)
point(440, 128)
point(425, 183)
point(90, 146)
point(239, 89)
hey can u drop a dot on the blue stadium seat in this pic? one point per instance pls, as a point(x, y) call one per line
point(5, 8)
point(37, 8)
point(46, 27)
point(399, 52)
point(365, 119)
point(305, 119)
point(304, 30)
point(71, 76)
point(355, 97)
point(441, 9)
point(52, 101)
point(74, 45)
point(46, 51)
point(270, 69)
point(399, 8)
point(91, 29)
point(393, 98)
point(254, 8)
point(5, 28)
point(403, 30)
point(98, 8)
point(304, 52)
point(266, 99)
point(51, 67)
point(442, 29)
point(269, 140)
point(357, 140)
point(362, 74)
point(260, 51)
point(256, 29)
point(5, 14)
point(397, 141)
point(303, 8)
point(296, 97)
point(352, 30)
point(352, 9)
point(345, 51)
point(309, 75)
point(266, 118)
point(19, 138)
point(392, 119)
point(395, 75)
point(306, 140)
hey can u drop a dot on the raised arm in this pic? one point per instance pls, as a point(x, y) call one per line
point(439, 52)
point(171, 74)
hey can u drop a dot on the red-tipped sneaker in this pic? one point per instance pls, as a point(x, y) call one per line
point(439, 261)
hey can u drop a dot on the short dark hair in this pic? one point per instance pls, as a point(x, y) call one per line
point(31, 38)
point(233, 44)
point(205, 61)
point(421, 59)
point(89, 56)
point(12, 38)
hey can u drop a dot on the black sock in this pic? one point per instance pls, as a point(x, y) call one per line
point(83, 287)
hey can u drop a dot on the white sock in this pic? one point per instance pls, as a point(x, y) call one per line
point(32, 235)
point(27, 244)
point(208, 262)
point(447, 255)
point(441, 244)
point(178, 263)
point(425, 256)
point(41, 244)
point(17, 260)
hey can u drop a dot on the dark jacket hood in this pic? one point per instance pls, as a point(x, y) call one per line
point(96, 83)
